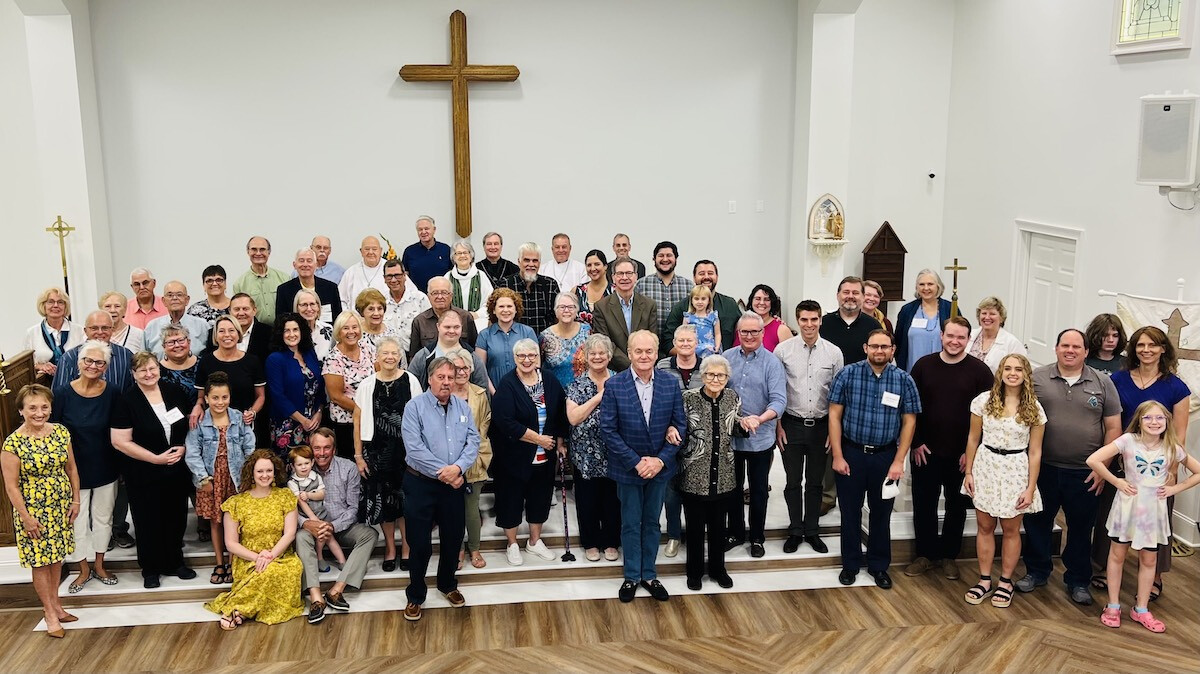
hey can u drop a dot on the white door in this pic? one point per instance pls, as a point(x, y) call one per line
point(1049, 295)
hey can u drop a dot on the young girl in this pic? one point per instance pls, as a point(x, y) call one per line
point(216, 450)
point(309, 489)
point(1150, 452)
point(700, 313)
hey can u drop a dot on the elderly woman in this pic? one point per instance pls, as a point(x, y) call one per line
point(470, 288)
point(215, 451)
point(765, 302)
point(378, 446)
point(42, 484)
point(215, 303)
point(54, 335)
point(495, 344)
point(349, 362)
point(706, 479)
point(562, 343)
point(596, 505)
point(919, 323)
point(449, 327)
point(872, 297)
point(247, 379)
point(179, 364)
point(294, 383)
point(149, 429)
point(1106, 341)
point(260, 525)
point(124, 334)
point(84, 408)
point(372, 306)
point(308, 304)
point(481, 410)
point(598, 285)
point(990, 342)
point(529, 421)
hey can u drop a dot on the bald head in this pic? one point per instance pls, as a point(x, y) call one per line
point(98, 325)
point(439, 293)
point(371, 251)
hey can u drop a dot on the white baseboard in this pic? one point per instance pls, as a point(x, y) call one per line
point(1185, 529)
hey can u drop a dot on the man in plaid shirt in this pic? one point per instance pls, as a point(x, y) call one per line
point(664, 287)
point(537, 292)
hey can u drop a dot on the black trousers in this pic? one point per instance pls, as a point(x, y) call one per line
point(706, 523)
point(757, 467)
point(599, 512)
point(428, 501)
point(867, 473)
point(159, 509)
point(804, 459)
point(938, 475)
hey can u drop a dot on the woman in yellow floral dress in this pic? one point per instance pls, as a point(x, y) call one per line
point(260, 525)
point(43, 487)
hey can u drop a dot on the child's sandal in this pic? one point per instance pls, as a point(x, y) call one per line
point(978, 592)
point(1147, 620)
point(1111, 617)
point(1002, 598)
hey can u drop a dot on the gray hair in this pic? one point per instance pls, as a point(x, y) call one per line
point(491, 234)
point(95, 345)
point(437, 364)
point(526, 345)
point(597, 341)
point(306, 249)
point(141, 270)
point(570, 296)
point(715, 360)
point(296, 299)
point(389, 341)
point(172, 329)
point(747, 315)
point(465, 245)
point(936, 277)
point(686, 327)
point(529, 247)
point(426, 218)
point(460, 353)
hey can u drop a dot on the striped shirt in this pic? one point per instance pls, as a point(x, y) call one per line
point(810, 371)
point(117, 373)
point(867, 419)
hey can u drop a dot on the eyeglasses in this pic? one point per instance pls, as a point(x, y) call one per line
point(175, 296)
point(526, 356)
point(177, 341)
point(624, 273)
point(879, 347)
point(716, 376)
point(55, 303)
point(439, 293)
point(391, 277)
point(461, 368)
point(213, 281)
point(564, 307)
point(749, 333)
point(142, 284)
point(92, 362)
point(1154, 418)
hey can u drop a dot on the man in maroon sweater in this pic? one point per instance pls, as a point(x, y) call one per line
point(947, 381)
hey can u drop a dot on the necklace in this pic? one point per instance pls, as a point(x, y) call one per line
point(363, 272)
point(1141, 381)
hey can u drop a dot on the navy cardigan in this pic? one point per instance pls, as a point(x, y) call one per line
point(512, 414)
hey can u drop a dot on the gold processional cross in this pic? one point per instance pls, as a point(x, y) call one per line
point(954, 292)
point(61, 230)
point(458, 72)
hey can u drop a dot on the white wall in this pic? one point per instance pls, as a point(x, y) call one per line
point(288, 118)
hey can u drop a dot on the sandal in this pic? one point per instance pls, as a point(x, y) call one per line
point(228, 623)
point(1002, 597)
point(227, 577)
point(1111, 617)
point(1147, 620)
point(477, 560)
point(237, 617)
point(218, 575)
point(107, 580)
point(978, 592)
point(1099, 582)
point(1156, 591)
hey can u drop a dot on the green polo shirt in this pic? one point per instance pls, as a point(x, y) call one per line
point(262, 289)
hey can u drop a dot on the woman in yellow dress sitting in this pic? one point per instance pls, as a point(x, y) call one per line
point(260, 525)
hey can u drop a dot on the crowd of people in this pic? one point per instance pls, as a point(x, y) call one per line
point(307, 414)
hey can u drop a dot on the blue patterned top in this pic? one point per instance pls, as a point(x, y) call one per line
point(559, 355)
point(588, 451)
point(706, 335)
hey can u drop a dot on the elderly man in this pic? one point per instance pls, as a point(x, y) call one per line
point(441, 443)
point(256, 335)
point(326, 268)
point(260, 281)
point(947, 382)
point(1083, 413)
point(175, 296)
point(404, 301)
point(537, 291)
point(342, 488)
point(621, 248)
point(144, 306)
point(126, 335)
point(643, 423)
point(623, 313)
point(305, 266)
point(810, 364)
point(449, 336)
point(492, 264)
point(704, 273)
point(428, 257)
point(873, 408)
point(686, 366)
point(758, 378)
point(424, 328)
point(664, 286)
point(365, 274)
point(566, 272)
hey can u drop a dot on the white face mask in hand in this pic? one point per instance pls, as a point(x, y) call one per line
point(890, 489)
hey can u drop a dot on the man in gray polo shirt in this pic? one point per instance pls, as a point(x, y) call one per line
point(1083, 413)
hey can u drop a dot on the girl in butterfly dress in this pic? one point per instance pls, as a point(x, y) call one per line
point(1150, 452)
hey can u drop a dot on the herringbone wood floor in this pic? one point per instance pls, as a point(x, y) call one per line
point(920, 625)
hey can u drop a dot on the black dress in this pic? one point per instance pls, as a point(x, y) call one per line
point(382, 499)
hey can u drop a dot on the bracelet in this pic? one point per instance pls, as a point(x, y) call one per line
point(74, 502)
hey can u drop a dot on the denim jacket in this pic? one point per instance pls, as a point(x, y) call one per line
point(202, 443)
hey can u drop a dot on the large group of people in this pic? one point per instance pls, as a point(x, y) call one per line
point(307, 414)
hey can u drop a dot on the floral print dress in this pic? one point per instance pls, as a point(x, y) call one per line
point(46, 490)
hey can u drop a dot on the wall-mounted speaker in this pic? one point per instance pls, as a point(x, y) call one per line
point(1167, 140)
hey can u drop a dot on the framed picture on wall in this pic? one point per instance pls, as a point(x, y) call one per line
point(1151, 25)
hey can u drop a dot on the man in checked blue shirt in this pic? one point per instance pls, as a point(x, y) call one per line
point(873, 407)
point(441, 443)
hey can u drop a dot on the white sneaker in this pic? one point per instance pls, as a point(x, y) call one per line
point(540, 550)
point(672, 547)
point(514, 555)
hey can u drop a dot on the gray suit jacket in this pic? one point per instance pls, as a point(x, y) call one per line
point(608, 319)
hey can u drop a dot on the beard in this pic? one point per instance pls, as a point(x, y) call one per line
point(668, 270)
point(529, 277)
point(850, 306)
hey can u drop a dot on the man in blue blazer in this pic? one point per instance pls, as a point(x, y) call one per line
point(642, 419)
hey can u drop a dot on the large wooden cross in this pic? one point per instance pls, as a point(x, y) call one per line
point(458, 72)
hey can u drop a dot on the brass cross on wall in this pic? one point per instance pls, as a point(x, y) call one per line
point(458, 72)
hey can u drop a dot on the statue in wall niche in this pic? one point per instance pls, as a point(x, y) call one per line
point(827, 220)
point(837, 226)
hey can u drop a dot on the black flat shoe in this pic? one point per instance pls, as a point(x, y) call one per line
point(732, 542)
point(183, 573)
point(817, 544)
point(403, 564)
point(757, 550)
point(151, 582)
point(792, 544)
point(656, 589)
point(694, 584)
point(627, 592)
point(723, 580)
point(882, 579)
point(847, 577)
point(389, 565)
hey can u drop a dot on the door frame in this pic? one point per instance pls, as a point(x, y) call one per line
point(1022, 245)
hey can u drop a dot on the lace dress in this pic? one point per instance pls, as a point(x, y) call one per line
point(381, 499)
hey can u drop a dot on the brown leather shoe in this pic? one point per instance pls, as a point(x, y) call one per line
point(412, 612)
point(950, 569)
point(456, 598)
point(918, 567)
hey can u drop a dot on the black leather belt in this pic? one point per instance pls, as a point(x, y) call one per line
point(1006, 452)
point(872, 449)
point(805, 420)
point(413, 471)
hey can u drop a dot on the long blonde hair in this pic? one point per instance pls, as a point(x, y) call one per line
point(1170, 442)
point(1027, 406)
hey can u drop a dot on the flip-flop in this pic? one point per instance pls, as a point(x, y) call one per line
point(1099, 582)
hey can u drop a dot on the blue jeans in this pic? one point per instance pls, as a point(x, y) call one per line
point(1062, 488)
point(640, 508)
point(673, 506)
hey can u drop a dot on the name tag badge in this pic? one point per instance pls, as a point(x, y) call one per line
point(891, 399)
point(174, 415)
point(327, 313)
point(462, 419)
point(919, 324)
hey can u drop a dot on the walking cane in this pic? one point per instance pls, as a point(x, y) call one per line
point(562, 466)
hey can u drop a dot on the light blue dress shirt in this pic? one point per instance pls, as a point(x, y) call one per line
point(760, 380)
point(437, 435)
